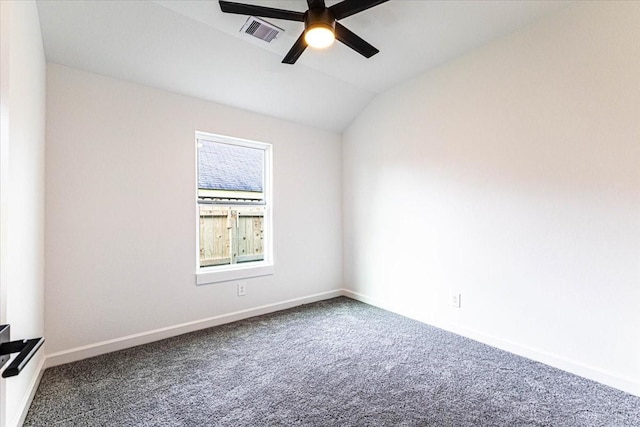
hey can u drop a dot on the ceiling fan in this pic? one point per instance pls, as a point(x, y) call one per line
point(321, 26)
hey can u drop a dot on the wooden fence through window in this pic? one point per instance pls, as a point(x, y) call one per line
point(230, 235)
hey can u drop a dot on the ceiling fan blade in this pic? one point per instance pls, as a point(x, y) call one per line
point(264, 12)
point(349, 7)
point(296, 50)
point(354, 42)
point(316, 4)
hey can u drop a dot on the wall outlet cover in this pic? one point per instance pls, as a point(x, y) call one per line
point(242, 289)
point(456, 300)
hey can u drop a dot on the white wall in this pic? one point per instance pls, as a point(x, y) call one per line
point(511, 175)
point(120, 217)
point(22, 232)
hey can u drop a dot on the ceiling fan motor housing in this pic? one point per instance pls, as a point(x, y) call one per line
point(319, 18)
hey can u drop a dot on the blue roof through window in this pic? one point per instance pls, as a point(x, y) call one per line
point(229, 167)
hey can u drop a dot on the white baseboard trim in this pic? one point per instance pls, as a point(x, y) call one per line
point(96, 349)
point(28, 398)
point(599, 375)
point(67, 356)
point(595, 374)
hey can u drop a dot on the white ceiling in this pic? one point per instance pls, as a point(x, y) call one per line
point(192, 48)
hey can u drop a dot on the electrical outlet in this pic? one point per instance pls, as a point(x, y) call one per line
point(456, 300)
point(242, 289)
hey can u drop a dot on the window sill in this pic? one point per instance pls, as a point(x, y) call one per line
point(225, 274)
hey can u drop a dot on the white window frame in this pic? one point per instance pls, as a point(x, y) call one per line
point(225, 273)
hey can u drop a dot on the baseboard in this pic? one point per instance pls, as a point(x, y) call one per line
point(28, 398)
point(91, 350)
point(83, 352)
point(595, 374)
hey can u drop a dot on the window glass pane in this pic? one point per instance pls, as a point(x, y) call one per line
point(232, 201)
point(231, 235)
point(230, 172)
point(250, 234)
point(215, 236)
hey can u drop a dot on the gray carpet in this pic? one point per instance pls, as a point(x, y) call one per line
point(333, 363)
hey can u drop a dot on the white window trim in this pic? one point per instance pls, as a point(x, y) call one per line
point(229, 274)
point(226, 273)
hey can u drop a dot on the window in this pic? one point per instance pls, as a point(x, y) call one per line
point(234, 208)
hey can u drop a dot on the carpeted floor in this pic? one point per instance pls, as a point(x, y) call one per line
point(333, 363)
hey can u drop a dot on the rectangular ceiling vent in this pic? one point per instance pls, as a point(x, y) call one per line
point(261, 29)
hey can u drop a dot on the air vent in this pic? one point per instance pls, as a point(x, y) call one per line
point(261, 29)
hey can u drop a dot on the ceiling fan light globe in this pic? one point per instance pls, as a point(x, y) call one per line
point(319, 36)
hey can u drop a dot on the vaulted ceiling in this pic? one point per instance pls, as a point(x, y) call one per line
point(192, 48)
